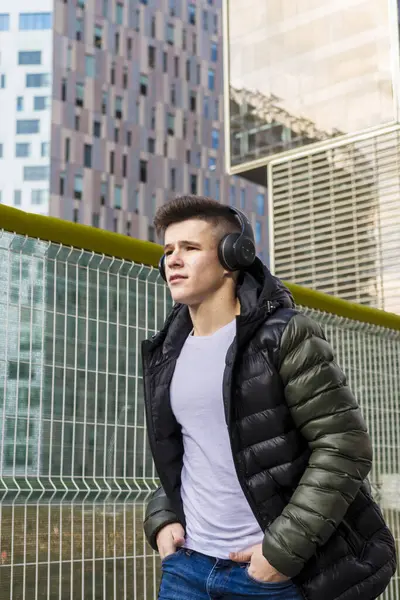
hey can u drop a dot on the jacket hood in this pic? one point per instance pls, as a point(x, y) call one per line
point(260, 293)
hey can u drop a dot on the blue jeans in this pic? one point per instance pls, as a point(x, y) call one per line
point(189, 575)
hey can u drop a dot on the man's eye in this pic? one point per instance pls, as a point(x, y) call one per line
point(168, 252)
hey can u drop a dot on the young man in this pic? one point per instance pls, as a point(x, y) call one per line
point(258, 442)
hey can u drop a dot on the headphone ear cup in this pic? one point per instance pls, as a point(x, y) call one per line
point(161, 267)
point(227, 252)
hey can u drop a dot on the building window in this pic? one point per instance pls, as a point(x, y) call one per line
point(62, 184)
point(20, 104)
point(67, 149)
point(36, 173)
point(170, 124)
point(119, 13)
point(194, 44)
point(39, 197)
point(214, 51)
point(151, 145)
point(258, 232)
point(112, 74)
point(215, 139)
point(176, 63)
point(22, 150)
point(192, 101)
point(124, 165)
point(232, 195)
point(129, 138)
point(112, 162)
point(45, 149)
point(215, 19)
point(207, 186)
point(30, 58)
point(125, 79)
point(27, 126)
point(217, 190)
point(75, 215)
point(144, 82)
point(242, 198)
point(87, 156)
point(79, 29)
point(193, 184)
point(98, 36)
point(170, 35)
point(118, 196)
point(96, 129)
point(188, 70)
point(192, 14)
point(32, 21)
point(206, 107)
point(205, 20)
point(40, 102)
point(35, 80)
point(211, 79)
point(90, 65)
point(79, 93)
point(151, 55)
point(77, 123)
point(129, 48)
point(118, 107)
point(137, 20)
point(216, 110)
point(143, 171)
point(184, 39)
point(153, 118)
point(104, 102)
point(198, 74)
point(260, 203)
point(4, 22)
point(95, 220)
point(17, 197)
point(212, 163)
point(105, 9)
point(63, 90)
point(1, 150)
point(184, 127)
point(172, 8)
point(78, 186)
point(103, 192)
point(116, 43)
point(173, 94)
point(165, 62)
point(173, 179)
point(2, 81)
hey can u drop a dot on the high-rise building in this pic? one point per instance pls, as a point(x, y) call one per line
point(312, 111)
point(111, 107)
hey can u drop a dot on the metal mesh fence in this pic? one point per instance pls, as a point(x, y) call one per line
point(75, 468)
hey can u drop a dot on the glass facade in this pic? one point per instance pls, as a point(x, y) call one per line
point(306, 72)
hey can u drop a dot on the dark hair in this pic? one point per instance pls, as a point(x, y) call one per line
point(187, 207)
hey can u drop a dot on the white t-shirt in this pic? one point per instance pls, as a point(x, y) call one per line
point(219, 519)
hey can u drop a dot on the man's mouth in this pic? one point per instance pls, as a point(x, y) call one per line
point(176, 278)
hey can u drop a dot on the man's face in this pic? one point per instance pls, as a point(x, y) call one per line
point(193, 270)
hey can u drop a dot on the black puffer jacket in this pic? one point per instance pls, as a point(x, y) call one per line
point(298, 440)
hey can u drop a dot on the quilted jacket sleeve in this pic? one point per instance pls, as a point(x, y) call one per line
point(159, 513)
point(327, 414)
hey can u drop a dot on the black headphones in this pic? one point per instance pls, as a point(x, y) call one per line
point(235, 251)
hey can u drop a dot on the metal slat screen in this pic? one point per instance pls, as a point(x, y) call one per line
point(74, 463)
point(337, 220)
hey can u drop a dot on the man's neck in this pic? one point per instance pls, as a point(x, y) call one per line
point(211, 315)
